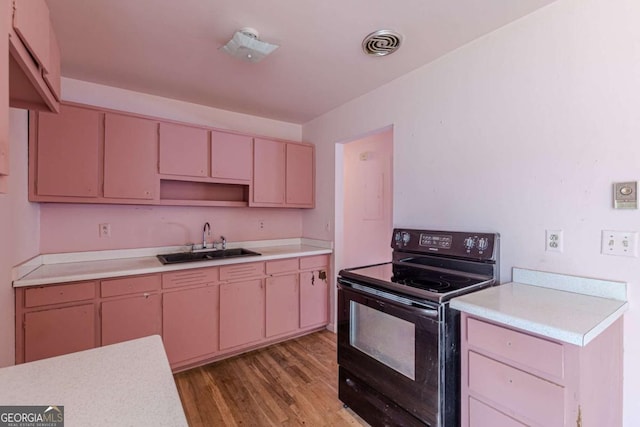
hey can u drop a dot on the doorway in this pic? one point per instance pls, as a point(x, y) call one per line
point(365, 199)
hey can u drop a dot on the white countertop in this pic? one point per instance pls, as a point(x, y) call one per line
point(60, 268)
point(566, 308)
point(125, 384)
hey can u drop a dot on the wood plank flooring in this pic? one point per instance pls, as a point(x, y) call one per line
point(294, 383)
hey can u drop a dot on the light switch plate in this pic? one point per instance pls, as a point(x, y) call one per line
point(625, 195)
point(620, 243)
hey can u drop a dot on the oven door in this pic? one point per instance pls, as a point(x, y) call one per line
point(391, 346)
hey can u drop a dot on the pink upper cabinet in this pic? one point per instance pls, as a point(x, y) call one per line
point(300, 175)
point(34, 72)
point(268, 172)
point(31, 22)
point(184, 150)
point(130, 157)
point(69, 142)
point(231, 156)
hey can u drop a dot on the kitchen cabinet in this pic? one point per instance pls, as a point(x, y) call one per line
point(55, 320)
point(184, 150)
point(64, 162)
point(269, 172)
point(282, 304)
point(130, 157)
point(91, 155)
point(5, 17)
point(231, 156)
point(314, 291)
point(283, 174)
point(190, 311)
point(514, 378)
point(241, 313)
point(130, 308)
point(34, 63)
point(203, 314)
point(58, 331)
point(299, 175)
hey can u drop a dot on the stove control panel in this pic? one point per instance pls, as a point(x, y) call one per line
point(480, 246)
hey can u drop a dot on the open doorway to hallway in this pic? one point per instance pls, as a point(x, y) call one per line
point(366, 199)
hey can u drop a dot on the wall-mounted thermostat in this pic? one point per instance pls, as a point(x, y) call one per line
point(625, 195)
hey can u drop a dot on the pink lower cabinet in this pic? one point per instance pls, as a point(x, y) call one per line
point(58, 331)
point(282, 304)
point(314, 291)
point(241, 313)
point(52, 320)
point(190, 316)
point(513, 378)
point(135, 310)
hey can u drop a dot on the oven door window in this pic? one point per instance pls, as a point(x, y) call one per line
point(388, 339)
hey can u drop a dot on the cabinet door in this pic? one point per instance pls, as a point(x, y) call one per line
point(131, 318)
point(282, 304)
point(184, 150)
point(231, 156)
point(300, 172)
point(241, 313)
point(31, 22)
point(130, 157)
point(67, 154)
point(314, 299)
point(59, 331)
point(268, 172)
point(190, 323)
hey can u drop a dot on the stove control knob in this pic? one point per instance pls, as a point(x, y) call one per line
point(483, 243)
point(469, 242)
point(405, 237)
point(398, 237)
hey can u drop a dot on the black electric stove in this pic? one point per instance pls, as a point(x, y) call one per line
point(398, 339)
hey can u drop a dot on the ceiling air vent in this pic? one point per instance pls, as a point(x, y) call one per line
point(381, 43)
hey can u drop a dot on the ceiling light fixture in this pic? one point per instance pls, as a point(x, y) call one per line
point(245, 45)
point(381, 43)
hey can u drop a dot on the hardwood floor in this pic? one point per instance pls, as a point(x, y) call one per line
point(288, 384)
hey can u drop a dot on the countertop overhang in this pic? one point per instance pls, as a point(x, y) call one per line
point(566, 308)
point(129, 383)
point(73, 267)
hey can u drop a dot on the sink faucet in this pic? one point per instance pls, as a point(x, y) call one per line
point(205, 230)
point(224, 242)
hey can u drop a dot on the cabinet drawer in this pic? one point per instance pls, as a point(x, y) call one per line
point(58, 294)
point(282, 266)
point(525, 350)
point(528, 397)
point(129, 285)
point(314, 261)
point(200, 276)
point(242, 271)
point(481, 415)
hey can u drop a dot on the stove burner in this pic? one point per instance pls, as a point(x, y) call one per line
point(454, 278)
point(438, 286)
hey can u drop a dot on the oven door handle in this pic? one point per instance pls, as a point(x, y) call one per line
point(390, 298)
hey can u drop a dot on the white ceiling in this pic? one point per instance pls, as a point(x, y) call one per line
point(170, 47)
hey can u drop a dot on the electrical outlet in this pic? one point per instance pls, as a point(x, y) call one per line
point(261, 224)
point(554, 241)
point(620, 243)
point(104, 230)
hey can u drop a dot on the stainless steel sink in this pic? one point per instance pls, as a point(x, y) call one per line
point(180, 257)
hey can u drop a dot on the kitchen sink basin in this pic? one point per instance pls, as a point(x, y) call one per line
point(205, 256)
